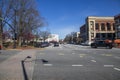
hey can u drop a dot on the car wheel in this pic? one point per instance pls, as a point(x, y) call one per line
point(95, 46)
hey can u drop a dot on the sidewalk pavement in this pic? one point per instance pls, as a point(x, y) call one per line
point(12, 69)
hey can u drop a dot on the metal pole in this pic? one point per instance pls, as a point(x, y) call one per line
point(14, 46)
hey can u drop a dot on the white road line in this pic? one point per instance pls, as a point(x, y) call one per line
point(61, 54)
point(117, 57)
point(47, 64)
point(73, 53)
point(77, 65)
point(41, 53)
point(81, 56)
point(93, 60)
point(117, 69)
point(106, 55)
point(108, 65)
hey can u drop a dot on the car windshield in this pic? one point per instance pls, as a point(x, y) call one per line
point(59, 39)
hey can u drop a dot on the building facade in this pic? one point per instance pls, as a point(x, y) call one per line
point(98, 28)
point(117, 26)
point(83, 33)
point(53, 37)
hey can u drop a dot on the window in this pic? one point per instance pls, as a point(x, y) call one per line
point(118, 28)
point(113, 26)
point(92, 34)
point(103, 27)
point(103, 35)
point(118, 35)
point(118, 20)
point(97, 26)
point(109, 35)
point(108, 26)
point(97, 35)
point(92, 25)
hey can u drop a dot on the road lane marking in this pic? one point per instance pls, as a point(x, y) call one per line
point(81, 56)
point(61, 54)
point(117, 57)
point(106, 54)
point(47, 64)
point(42, 53)
point(108, 65)
point(117, 69)
point(73, 53)
point(93, 60)
point(77, 65)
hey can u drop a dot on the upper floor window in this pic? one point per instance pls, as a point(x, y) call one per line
point(103, 27)
point(113, 26)
point(108, 26)
point(119, 20)
point(92, 25)
point(118, 28)
point(96, 26)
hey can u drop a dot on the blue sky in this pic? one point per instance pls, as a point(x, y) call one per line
point(66, 16)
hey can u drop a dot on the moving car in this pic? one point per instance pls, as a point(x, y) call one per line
point(101, 43)
point(56, 44)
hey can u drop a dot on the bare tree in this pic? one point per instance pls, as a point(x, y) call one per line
point(44, 35)
point(5, 15)
point(21, 16)
point(68, 38)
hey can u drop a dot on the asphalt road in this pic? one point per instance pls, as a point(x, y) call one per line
point(6, 54)
point(75, 62)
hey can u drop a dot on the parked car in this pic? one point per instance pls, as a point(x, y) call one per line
point(44, 44)
point(101, 43)
point(37, 44)
point(56, 44)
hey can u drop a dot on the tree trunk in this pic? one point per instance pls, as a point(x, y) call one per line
point(20, 41)
point(1, 31)
point(1, 42)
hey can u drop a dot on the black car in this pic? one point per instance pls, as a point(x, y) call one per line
point(56, 44)
point(101, 43)
point(44, 44)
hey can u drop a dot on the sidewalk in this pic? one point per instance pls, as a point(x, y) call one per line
point(12, 68)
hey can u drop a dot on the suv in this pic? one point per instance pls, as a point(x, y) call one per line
point(102, 43)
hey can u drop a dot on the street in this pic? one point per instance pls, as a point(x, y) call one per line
point(75, 62)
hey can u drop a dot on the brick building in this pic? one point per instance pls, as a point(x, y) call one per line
point(98, 28)
point(83, 31)
point(117, 25)
point(117, 30)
